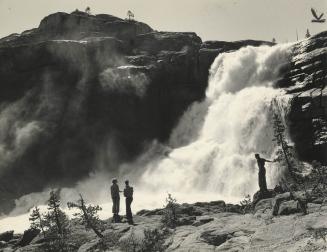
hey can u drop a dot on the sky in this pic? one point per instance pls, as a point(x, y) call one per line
point(210, 19)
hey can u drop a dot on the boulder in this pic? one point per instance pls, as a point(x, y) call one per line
point(262, 195)
point(218, 203)
point(3, 244)
point(289, 207)
point(7, 236)
point(28, 236)
point(263, 204)
point(214, 237)
point(233, 208)
point(318, 200)
point(278, 200)
point(202, 220)
point(189, 220)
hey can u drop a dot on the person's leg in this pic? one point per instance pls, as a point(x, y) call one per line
point(114, 209)
point(126, 206)
point(113, 206)
point(262, 183)
point(128, 210)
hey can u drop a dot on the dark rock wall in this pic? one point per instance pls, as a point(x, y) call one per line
point(306, 81)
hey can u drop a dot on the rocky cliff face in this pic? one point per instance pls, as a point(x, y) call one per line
point(80, 85)
point(306, 82)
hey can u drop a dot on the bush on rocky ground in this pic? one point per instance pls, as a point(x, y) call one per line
point(152, 240)
point(246, 204)
point(169, 218)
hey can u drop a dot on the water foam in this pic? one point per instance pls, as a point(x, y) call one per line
point(217, 157)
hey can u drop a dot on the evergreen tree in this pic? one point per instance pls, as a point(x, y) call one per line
point(88, 216)
point(56, 220)
point(88, 10)
point(308, 35)
point(130, 15)
point(169, 218)
point(36, 220)
point(284, 153)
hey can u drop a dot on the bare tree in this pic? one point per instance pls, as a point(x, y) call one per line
point(88, 216)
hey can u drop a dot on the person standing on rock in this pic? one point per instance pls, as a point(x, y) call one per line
point(262, 173)
point(128, 193)
point(115, 200)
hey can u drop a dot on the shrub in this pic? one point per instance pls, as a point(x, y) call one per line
point(130, 243)
point(154, 240)
point(246, 204)
point(169, 218)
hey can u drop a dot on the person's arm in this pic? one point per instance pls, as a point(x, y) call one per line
point(269, 161)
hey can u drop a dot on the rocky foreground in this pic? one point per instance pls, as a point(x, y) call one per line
point(273, 224)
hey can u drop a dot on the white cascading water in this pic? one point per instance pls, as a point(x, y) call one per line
point(213, 155)
point(212, 147)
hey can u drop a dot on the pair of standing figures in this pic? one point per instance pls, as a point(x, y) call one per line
point(128, 193)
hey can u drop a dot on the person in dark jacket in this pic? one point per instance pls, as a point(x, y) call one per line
point(262, 173)
point(128, 193)
point(115, 199)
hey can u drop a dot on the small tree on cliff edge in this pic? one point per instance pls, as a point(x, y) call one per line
point(56, 220)
point(284, 152)
point(88, 216)
point(88, 10)
point(307, 35)
point(130, 15)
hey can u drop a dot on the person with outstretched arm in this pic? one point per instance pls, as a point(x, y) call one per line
point(262, 173)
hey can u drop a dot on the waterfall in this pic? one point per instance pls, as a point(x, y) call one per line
point(213, 145)
point(210, 153)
